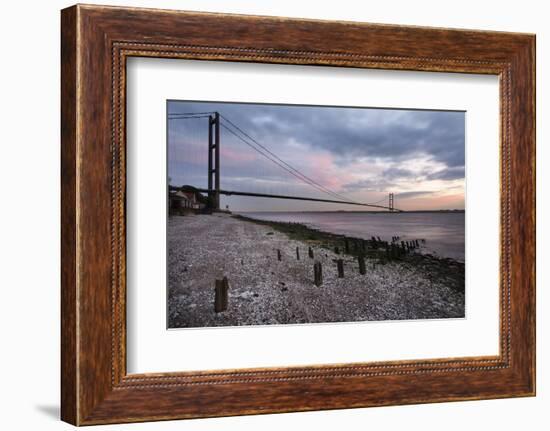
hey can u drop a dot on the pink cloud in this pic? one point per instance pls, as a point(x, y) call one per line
point(321, 168)
point(234, 157)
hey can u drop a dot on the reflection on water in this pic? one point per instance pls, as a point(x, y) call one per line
point(443, 232)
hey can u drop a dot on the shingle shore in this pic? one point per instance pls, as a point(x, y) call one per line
point(264, 290)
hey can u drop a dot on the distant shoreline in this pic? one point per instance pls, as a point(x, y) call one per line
point(328, 240)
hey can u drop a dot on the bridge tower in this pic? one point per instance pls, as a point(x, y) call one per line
point(214, 161)
point(391, 202)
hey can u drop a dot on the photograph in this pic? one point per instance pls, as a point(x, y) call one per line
point(299, 214)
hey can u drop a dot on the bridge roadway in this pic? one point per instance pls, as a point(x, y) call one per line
point(299, 198)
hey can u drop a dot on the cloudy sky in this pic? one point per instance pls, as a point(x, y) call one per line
point(362, 154)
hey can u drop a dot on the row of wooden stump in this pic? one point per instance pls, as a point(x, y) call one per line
point(222, 286)
point(309, 252)
point(394, 250)
point(318, 267)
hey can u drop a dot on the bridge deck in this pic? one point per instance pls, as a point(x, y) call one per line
point(299, 198)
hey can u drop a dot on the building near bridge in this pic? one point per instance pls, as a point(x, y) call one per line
point(185, 199)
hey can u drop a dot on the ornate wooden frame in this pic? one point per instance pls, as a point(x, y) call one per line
point(95, 43)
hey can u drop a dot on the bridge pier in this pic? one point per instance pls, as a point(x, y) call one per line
point(214, 161)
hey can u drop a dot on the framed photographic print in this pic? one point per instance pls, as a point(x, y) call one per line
point(294, 250)
point(266, 215)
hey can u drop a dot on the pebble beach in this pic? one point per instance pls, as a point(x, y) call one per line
point(270, 284)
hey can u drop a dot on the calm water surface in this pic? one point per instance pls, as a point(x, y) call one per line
point(443, 232)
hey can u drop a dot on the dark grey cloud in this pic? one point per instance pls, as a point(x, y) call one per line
point(349, 133)
point(439, 135)
point(394, 173)
point(452, 173)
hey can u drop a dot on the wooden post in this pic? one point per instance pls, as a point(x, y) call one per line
point(220, 299)
point(318, 273)
point(310, 252)
point(297, 253)
point(416, 242)
point(278, 254)
point(346, 246)
point(361, 260)
point(340, 266)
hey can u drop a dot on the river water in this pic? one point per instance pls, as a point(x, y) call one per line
point(443, 232)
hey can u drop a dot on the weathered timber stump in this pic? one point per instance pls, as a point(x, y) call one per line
point(318, 274)
point(361, 260)
point(340, 266)
point(220, 297)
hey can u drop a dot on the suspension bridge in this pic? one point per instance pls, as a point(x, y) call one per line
point(215, 122)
